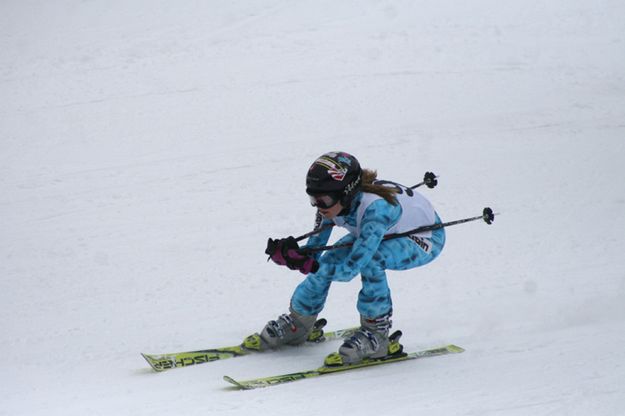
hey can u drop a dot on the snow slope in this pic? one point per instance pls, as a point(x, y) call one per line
point(149, 148)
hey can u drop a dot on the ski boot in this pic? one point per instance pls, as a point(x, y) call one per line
point(371, 341)
point(291, 329)
point(316, 335)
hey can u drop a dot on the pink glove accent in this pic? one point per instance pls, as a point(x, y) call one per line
point(309, 264)
point(278, 258)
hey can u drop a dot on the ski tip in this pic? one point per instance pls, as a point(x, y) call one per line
point(154, 362)
point(148, 358)
point(235, 383)
point(454, 348)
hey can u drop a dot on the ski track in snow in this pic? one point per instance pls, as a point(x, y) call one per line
point(148, 149)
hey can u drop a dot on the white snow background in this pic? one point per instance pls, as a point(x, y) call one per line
point(149, 148)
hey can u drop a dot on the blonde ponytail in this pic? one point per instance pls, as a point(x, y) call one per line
point(368, 176)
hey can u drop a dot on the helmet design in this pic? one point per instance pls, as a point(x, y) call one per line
point(335, 173)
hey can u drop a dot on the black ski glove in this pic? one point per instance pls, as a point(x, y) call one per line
point(284, 252)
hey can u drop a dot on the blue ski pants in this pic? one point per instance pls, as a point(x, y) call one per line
point(374, 299)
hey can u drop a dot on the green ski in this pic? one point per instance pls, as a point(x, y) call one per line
point(163, 362)
point(287, 378)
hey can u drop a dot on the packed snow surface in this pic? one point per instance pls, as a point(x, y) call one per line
point(149, 148)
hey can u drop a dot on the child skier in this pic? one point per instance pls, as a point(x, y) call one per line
point(348, 196)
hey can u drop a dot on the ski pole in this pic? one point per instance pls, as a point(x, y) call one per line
point(315, 231)
point(487, 216)
point(429, 179)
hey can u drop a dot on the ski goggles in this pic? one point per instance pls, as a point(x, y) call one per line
point(324, 201)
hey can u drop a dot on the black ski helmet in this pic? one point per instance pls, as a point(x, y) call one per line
point(335, 173)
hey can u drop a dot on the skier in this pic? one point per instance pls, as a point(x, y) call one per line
point(351, 197)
